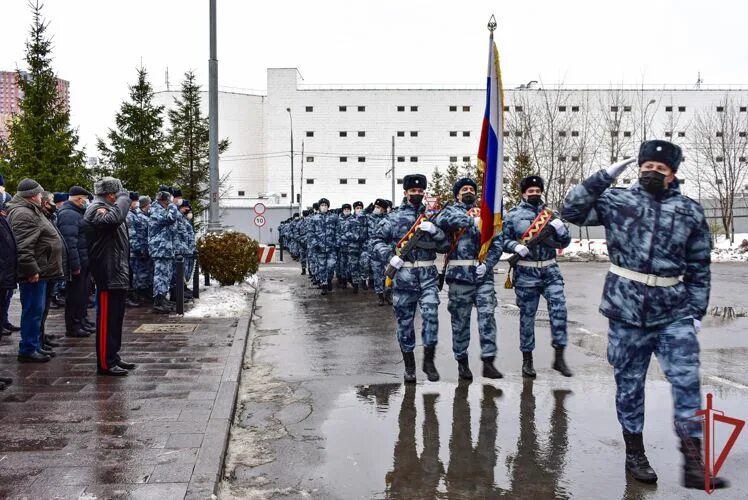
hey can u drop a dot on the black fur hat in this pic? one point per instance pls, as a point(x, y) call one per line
point(531, 181)
point(465, 181)
point(414, 181)
point(661, 151)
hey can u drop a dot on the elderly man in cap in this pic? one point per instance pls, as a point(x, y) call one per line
point(40, 259)
point(140, 263)
point(162, 234)
point(71, 226)
point(109, 252)
point(415, 283)
point(537, 273)
point(655, 295)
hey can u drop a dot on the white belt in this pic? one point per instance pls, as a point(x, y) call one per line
point(419, 263)
point(455, 263)
point(647, 279)
point(536, 264)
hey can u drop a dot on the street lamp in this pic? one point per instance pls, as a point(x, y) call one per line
point(293, 195)
point(651, 101)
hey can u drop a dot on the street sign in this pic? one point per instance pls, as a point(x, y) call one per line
point(259, 209)
point(259, 220)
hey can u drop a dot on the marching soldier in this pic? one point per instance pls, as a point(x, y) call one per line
point(415, 284)
point(186, 247)
point(311, 251)
point(303, 248)
point(161, 235)
point(324, 240)
point(537, 272)
point(342, 246)
point(471, 283)
point(377, 265)
point(355, 236)
point(655, 295)
point(140, 262)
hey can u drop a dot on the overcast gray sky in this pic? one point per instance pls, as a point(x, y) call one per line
point(98, 44)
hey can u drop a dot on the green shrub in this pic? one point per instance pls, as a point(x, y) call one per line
point(229, 257)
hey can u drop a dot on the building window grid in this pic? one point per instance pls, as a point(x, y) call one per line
point(414, 133)
point(465, 133)
point(344, 181)
point(362, 133)
point(361, 159)
point(453, 108)
point(453, 133)
point(362, 181)
point(310, 159)
point(343, 159)
point(361, 109)
point(466, 109)
point(401, 133)
point(310, 133)
point(309, 109)
point(342, 109)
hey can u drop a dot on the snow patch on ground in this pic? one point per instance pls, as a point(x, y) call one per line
point(218, 301)
point(725, 252)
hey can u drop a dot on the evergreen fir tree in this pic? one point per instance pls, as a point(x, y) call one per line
point(138, 152)
point(41, 143)
point(190, 146)
point(522, 168)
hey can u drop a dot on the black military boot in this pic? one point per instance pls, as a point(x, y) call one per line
point(636, 461)
point(489, 370)
point(329, 286)
point(365, 284)
point(693, 467)
point(528, 370)
point(303, 271)
point(463, 369)
point(324, 289)
point(355, 288)
point(559, 364)
point(429, 368)
point(380, 296)
point(388, 295)
point(130, 300)
point(409, 359)
point(160, 305)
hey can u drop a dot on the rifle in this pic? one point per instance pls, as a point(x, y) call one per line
point(406, 245)
point(536, 240)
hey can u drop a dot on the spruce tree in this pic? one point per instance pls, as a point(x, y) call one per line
point(41, 143)
point(522, 168)
point(138, 152)
point(190, 146)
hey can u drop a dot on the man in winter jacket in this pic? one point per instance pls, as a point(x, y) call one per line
point(5, 325)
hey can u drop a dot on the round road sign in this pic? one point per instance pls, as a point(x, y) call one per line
point(259, 220)
point(259, 208)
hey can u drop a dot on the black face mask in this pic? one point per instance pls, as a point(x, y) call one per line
point(415, 199)
point(652, 182)
point(468, 199)
point(535, 200)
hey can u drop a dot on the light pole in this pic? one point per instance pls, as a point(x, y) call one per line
point(293, 194)
point(213, 213)
point(651, 101)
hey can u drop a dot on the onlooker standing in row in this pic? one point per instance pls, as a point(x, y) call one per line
point(5, 325)
point(8, 263)
point(70, 224)
point(40, 252)
point(53, 293)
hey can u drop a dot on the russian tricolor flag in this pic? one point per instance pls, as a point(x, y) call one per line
point(491, 153)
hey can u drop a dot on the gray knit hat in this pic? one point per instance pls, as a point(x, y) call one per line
point(28, 188)
point(107, 185)
point(144, 201)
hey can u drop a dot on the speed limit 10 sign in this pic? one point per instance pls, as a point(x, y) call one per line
point(259, 220)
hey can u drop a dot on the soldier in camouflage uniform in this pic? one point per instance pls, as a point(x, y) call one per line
point(140, 267)
point(342, 270)
point(162, 230)
point(655, 294)
point(471, 283)
point(294, 236)
point(301, 231)
point(186, 244)
point(377, 265)
point(355, 236)
point(415, 284)
point(536, 274)
point(323, 234)
point(311, 251)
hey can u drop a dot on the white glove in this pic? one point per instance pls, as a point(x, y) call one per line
point(477, 222)
point(427, 226)
point(480, 270)
point(558, 225)
point(522, 250)
point(617, 168)
point(697, 325)
point(396, 262)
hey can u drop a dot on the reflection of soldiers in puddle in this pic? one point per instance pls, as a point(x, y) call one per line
point(413, 477)
point(536, 474)
point(379, 393)
point(471, 471)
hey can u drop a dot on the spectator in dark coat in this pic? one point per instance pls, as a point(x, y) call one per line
point(70, 225)
point(5, 325)
point(8, 263)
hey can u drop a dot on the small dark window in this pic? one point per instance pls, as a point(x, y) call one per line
point(344, 181)
point(506, 133)
point(400, 159)
point(518, 108)
point(342, 108)
point(743, 109)
point(452, 159)
point(681, 134)
point(627, 109)
point(668, 109)
point(284, 195)
point(742, 134)
point(506, 109)
point(562, 158)
point(361, 133)
point(720, 109)
point(310, 181)
point(453, 108)
point(310, 159)
point(742, 159)
point(562, 133)
point(310, 133)
point(362, 181)
point(613, 159)
point(575, 133)
point(414, 133)
point(627, 134)
point(413, 159)
point(343, 159)
point(681, 109)
point(574, 158)
point(668, 134)
point(518, 133)
point(574, 109)
point(466, 159)
point(309, 109)
point(343, 133)
point(614, 109)
point(414, 108)
point(453, 133)
point(401, 133)
point(400, 181)
point(719, 159)
point(719, 134)
point(466, 109)
point(466, 133)
point(562, 108)
point(506, 158)
point(401, 108)
point(241, 193)
point(614, 133)
point(362, 108)
point(361, 159)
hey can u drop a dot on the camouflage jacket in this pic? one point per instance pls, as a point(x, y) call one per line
point(322, 232)
point(518, 220)
point(372, 222)
point(389, 232)
point(184, 241)
point(137, 228)
point(354, 231)
point(162, 229)
point(342, 243)
point(664, 235)
point(454, 220)
point(302, 230)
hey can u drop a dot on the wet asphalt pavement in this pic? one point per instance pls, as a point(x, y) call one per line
point(323, 413)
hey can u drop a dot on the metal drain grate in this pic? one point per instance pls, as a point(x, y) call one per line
point(166, 328)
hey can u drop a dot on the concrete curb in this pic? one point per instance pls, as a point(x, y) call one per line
point(209, 466)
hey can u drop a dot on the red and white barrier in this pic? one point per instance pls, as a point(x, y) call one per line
point(267, 255)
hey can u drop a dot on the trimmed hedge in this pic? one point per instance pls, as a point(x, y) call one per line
point(229, 257)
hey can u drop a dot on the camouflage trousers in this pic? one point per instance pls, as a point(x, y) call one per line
point(462, 298)
point(141, 269)
point(356, 265)
point(676, 346)
point(405, 303)
point(528, 299)
point(303, 256)
point(341, 267)
point(325, 266)
point(377, 273)
point(163, 270)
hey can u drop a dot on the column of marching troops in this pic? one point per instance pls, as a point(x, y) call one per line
point(655, 295)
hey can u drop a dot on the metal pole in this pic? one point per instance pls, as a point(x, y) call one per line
point(394, 181)
point(179, 286)
point(196, 277)
point(293, 195)
point(214, 222)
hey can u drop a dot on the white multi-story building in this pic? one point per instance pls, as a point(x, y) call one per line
point(343, 135)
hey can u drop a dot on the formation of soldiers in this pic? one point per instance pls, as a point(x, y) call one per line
point(160, 231)
point(655, 294)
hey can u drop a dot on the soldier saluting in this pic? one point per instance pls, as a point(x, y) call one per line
point(415, 284)
point(655, 294)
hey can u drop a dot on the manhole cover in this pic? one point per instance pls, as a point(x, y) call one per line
point(166, 328)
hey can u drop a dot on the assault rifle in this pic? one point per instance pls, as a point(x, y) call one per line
point(536, 240)
point(407, 244)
